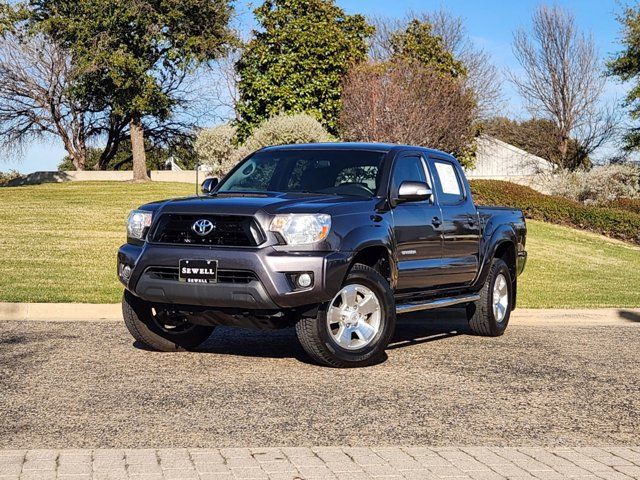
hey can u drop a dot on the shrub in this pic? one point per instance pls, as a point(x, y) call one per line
point(629, 204)
point(598, 185)
point(285, 129)
point(5, 178)
point(613, 222)
point(215, 148)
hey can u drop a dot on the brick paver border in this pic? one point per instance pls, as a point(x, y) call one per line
point(342, 463)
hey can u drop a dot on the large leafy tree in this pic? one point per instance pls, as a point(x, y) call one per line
point(626, 66)
point(297, 60)
point(417, 42)
point(133, 56)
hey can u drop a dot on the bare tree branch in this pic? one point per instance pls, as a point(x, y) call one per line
point(562, 80)
point(482, 78)
point(34, 99)
point(387, 103)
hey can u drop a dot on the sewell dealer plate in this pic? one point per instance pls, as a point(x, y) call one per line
point(198, 271)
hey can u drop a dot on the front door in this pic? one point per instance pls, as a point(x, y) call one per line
point(418, 239)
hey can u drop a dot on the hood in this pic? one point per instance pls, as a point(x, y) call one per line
point(272, 204)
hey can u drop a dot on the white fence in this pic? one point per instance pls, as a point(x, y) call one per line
point(182, 176)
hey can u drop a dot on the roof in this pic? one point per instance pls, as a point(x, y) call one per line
point(493, 140)
point(362, 146)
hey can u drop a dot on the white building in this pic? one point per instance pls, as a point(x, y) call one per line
point(497, 160)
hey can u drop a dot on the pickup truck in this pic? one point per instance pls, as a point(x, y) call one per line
point(337, 239)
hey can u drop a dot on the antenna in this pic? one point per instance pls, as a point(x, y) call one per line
point(197, 182)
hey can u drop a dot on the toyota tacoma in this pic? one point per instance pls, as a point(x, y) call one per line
point(336, 239)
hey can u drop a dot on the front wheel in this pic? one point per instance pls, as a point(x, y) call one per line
point(489, 316)
point(160, 330)
point(355, 327)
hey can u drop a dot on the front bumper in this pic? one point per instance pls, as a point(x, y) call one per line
point(270, 287)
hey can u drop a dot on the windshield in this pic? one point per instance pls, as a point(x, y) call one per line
point(338, 172)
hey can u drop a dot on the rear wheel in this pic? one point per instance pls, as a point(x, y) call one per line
point(160, 330)
point(355, 327)
point(489, 316)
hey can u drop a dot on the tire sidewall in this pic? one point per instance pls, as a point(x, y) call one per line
point(499, 267)
point(375, 349)
point(138, 315)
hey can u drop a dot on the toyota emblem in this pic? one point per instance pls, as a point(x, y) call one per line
point(203, 227)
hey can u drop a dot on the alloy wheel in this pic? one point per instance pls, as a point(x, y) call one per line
point(354, 317)
point(500, 298)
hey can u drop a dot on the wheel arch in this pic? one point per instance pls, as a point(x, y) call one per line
point(373, 245)
point(502, 244)
point(379, 257)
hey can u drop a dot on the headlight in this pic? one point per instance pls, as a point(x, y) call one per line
point(138, 224)
point(302, 229)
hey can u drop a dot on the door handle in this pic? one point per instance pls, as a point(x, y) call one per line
point(436, 222)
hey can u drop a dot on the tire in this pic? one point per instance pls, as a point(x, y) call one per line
point(482, 319)
point(145, 328)
point(365, 333)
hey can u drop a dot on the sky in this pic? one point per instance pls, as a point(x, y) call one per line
point(490, 24)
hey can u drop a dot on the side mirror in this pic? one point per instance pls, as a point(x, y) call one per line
point(414, 192)
point(208, 185)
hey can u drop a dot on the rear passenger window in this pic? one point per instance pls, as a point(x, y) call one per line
point(450, 191)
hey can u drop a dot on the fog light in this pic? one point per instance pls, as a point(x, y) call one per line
point(125, 272)
point(304, 280)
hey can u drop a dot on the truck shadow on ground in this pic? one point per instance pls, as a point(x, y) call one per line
point(629, 315)
point(411, 330)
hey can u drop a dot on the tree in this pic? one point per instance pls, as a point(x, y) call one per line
point(481, 76)
point(418, 43)
point(35, 100)
point(286, 129)
point(216, 148)
point(297, 61)
point(539, 137)
point(132, 57)
point(400, 102)
point(626, 66)
point(156, 156)
point(561, 80)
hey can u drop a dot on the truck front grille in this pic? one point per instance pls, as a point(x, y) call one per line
point(224, 276)
point(228, 231)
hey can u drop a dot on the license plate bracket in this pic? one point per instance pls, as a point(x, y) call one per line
point(198, 271)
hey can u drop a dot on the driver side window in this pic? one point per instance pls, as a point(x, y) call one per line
point(408, 169)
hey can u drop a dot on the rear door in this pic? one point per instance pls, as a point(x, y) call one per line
point(418, 240)
point(460, 224)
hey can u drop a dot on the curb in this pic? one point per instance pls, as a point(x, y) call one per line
point(60, 312)
point(87, 312)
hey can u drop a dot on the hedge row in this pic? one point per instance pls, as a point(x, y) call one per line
point(629, 204)
point(613, 222)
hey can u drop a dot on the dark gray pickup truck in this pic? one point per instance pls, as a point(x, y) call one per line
point(336, 239)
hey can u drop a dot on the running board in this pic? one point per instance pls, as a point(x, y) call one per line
point(437, 303)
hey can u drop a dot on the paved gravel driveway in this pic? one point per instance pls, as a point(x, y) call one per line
point(81, 384)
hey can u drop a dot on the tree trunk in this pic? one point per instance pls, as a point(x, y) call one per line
point(79, 161)
point(137, 150)
point(563, 148)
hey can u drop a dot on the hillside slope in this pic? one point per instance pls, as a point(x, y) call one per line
point(58, 244)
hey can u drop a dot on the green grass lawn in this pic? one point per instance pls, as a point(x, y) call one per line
point(569, 268)
point(58, 241)
point(58, 244)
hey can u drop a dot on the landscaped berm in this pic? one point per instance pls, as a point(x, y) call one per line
point(58, 244)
